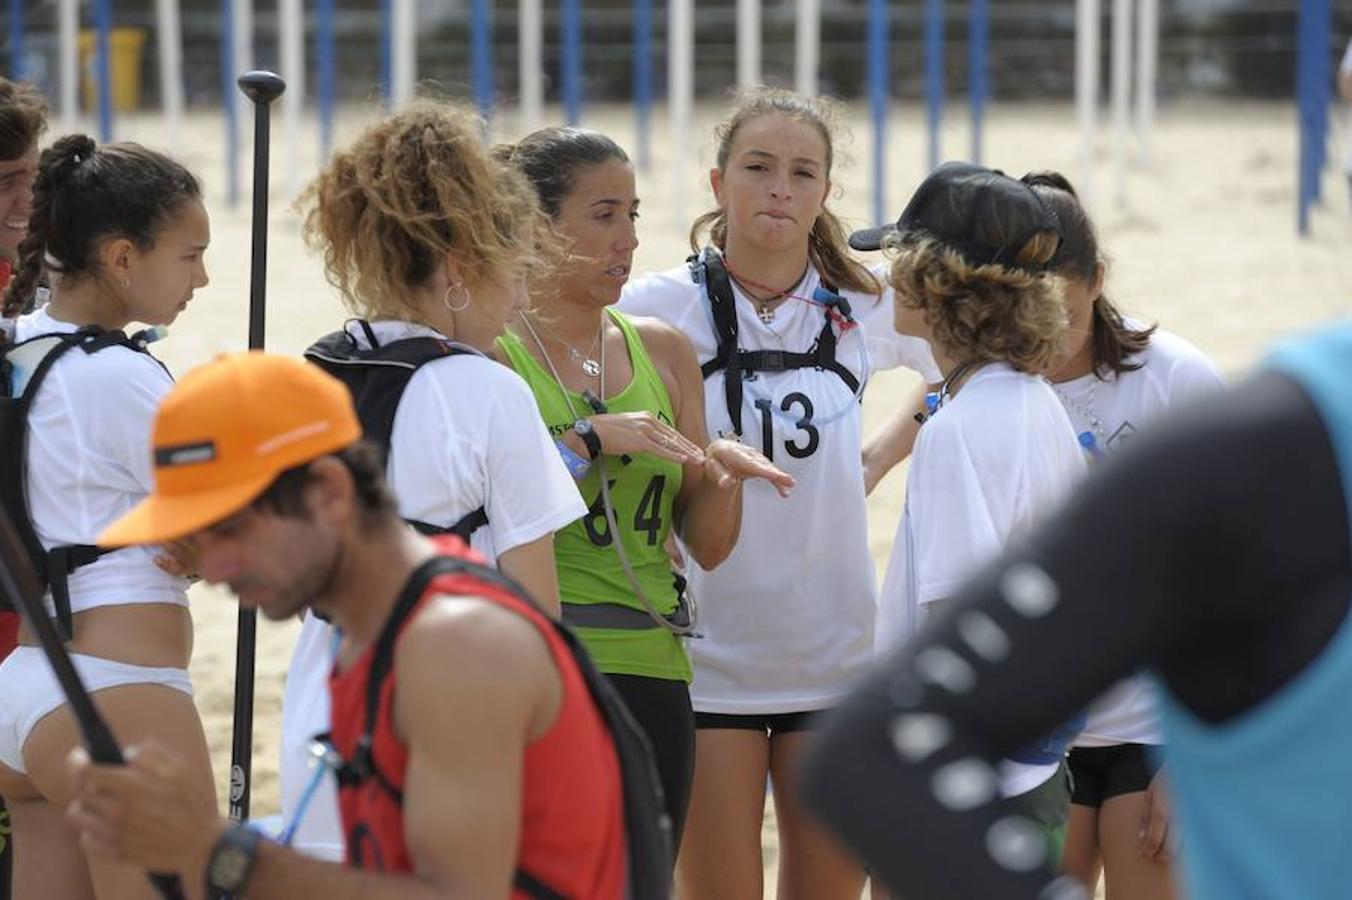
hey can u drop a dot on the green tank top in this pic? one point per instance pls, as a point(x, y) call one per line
point(642, 494)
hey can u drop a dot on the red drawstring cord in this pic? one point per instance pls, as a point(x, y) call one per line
point(845, 324)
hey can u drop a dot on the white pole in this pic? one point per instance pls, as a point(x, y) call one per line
point(748, 43)
point(171, 67)
point(681, 87)
point(242, 10)
point(404, 53)
point(1147, 64)
point(292, 54)
point(68, 28)
point(531, 42)
point(1121, 89)
point(1086, 89)
point(807, 47)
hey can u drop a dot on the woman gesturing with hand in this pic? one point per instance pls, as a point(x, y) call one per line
point(624, 400)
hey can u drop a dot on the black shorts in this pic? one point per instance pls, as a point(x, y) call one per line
point(767, 723)
point(662, 710)
point(1101, 773)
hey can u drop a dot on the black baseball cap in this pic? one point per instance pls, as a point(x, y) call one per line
point(984, 214)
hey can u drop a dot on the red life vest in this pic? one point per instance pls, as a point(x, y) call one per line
point(572, 840)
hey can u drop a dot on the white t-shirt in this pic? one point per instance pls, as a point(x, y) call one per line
point(996, 458)
point(1112, 410)
point(89, 462)
point(788, 617)
point(466, 434)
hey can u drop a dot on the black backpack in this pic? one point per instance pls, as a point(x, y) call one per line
point(647, 825)
point(376, 379)
point(23, 367)
point(707, 269)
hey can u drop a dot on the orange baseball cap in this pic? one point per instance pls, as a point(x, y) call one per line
point(224, 434)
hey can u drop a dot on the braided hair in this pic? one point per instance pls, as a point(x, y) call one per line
point(85, 194)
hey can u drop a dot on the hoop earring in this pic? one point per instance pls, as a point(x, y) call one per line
point(446, 298)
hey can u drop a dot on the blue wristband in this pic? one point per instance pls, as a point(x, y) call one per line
point(578, 467)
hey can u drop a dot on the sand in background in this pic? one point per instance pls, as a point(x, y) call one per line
point(1206, 244)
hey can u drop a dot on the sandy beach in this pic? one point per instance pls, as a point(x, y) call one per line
point(1205, 244)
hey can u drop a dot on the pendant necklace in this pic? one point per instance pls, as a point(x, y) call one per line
point(585, 361)
point(1093, 440)
point(764, 311)
point(558, 380)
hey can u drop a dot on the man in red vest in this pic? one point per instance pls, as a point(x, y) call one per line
point(472, 761)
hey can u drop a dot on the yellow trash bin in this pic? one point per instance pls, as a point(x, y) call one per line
point(125, 46)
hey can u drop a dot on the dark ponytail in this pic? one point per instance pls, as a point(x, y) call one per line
point(552, 158)
point(84, 194)
point(1112, 341)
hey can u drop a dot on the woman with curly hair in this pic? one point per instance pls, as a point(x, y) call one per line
point(425, 235)
point(997, 452)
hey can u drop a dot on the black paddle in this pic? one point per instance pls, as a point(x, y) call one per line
point(262, 88)
point(24, 591)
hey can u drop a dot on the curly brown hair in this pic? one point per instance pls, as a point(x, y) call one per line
point(827, 246)
point(23, 118)
point(983, 313)
point(414, 188)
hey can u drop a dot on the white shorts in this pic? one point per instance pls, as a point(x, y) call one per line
point(29, 690)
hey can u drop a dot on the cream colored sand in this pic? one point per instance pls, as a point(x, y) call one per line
point(1206, 244)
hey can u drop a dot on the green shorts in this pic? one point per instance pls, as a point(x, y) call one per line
point(1048, 805)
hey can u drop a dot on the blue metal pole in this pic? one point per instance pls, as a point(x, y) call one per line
point(978, 89)
point(16, 70)
point(481, 55)
point(325, 74)
point(643, 79)
point(934, 75)
point(228, 104)
point(387, 52)
point(572, 59)
point(1321, 81)
point(878, 96)
point(103, 21)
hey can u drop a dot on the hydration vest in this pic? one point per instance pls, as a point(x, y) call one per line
point(647, 826)
point(23, 368)
point(707, 269)
point(376, 378)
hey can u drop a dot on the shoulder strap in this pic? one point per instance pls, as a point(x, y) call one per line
point(362, 765)
point(708, 269)
point(377, 377)
point(464, 529)
point(648, 829)
point(23, 368)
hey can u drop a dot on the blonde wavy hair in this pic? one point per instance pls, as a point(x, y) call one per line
point(827, 246)
point(414, 188)
point(984, 313)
